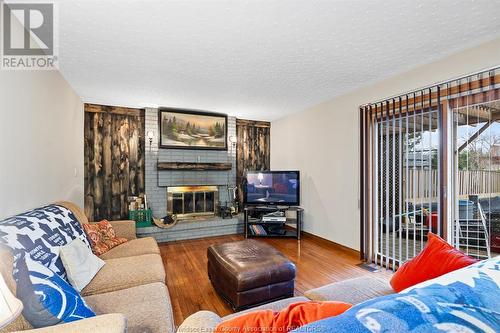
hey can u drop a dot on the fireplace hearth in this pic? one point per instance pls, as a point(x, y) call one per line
point(190, 202)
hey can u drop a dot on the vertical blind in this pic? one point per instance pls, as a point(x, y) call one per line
point(409, 156)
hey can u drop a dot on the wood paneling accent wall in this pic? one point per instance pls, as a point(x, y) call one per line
point(114, 160)
point(253, 149)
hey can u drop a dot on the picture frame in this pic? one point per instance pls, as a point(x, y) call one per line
point(192, 129)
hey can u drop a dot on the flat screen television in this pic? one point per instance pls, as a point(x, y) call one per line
point(272, 188)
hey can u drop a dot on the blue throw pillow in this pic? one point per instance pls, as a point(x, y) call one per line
point(466, 300)
point(40, 232)
point(47, 298)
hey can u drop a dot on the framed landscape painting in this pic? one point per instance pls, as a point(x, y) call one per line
point(186, 129)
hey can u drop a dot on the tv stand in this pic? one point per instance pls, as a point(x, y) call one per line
point(256, 227)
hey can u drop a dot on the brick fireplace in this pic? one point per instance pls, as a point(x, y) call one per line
point(190, 191)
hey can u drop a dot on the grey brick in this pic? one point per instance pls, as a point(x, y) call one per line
point(157, 195)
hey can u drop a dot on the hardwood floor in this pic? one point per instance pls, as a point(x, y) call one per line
point(319, 262)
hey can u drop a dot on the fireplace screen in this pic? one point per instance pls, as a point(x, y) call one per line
point(192, 201)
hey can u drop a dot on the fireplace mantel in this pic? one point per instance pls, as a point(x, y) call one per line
point(193, 166)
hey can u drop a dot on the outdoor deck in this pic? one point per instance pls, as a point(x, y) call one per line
point(410, 246)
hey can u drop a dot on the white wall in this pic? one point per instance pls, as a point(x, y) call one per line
point(322, 142)
point(41, 141)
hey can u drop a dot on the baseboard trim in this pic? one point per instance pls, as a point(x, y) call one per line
point(337, 245)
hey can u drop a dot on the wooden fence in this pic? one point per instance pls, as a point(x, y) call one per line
point(478, 182)
point(421, 182)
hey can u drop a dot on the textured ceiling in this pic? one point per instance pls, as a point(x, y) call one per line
point(255, 59)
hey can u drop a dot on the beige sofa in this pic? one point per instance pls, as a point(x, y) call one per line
point(128, 294)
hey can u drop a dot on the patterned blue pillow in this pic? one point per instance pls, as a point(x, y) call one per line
point(40, 232)
point(466, 300)
point(47, 298)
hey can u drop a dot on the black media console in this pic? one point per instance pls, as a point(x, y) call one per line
point(273, 221)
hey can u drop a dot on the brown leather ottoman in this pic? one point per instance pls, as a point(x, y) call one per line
point(248, 273)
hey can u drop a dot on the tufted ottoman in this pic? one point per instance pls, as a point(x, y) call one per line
point(248, 273)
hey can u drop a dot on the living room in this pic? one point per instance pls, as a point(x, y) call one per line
point(194, 166)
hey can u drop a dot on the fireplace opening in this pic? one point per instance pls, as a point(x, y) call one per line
point(192, 201)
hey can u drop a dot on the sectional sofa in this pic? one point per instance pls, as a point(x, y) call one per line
point(128, 294)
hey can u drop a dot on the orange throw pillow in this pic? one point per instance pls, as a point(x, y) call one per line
point(102, 237)
point(294, 316)
point(436, 259)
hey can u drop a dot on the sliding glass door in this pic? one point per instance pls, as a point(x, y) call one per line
point(417, 152)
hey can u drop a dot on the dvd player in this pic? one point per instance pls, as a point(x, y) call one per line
point(273, 218)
